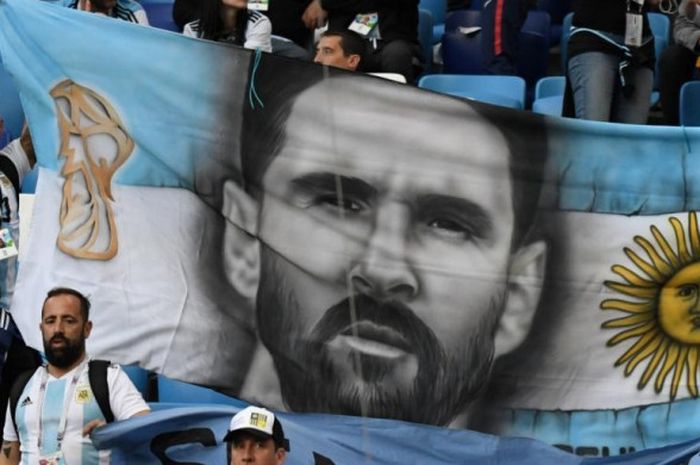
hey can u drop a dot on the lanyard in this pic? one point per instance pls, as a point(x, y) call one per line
point(66, 403)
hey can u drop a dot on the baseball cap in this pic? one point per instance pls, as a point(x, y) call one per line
point(259, 422)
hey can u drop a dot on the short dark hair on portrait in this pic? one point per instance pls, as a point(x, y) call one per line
point(351, 42)
point(279, 81)
point(84, 301)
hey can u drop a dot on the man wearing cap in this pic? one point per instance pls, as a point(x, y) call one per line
point(256, 436)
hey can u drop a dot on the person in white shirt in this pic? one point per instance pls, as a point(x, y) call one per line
point(57, 409)
point(231, 21)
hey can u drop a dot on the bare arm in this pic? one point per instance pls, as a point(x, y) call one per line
point(10, 453)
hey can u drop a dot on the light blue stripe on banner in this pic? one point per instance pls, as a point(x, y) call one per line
point(91, 411)
point(51, 415)
point(602, 433)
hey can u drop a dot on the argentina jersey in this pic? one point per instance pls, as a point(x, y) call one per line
point(9, 219)
point(127, 10)
point(39, 416)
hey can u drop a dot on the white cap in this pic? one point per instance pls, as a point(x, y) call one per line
point(257, 421)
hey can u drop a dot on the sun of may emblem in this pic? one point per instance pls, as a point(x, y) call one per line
point(662, 308)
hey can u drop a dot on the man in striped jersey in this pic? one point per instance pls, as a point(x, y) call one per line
point(127, 10)
point(58, 409)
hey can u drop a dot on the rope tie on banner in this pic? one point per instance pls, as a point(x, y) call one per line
point(252, 93)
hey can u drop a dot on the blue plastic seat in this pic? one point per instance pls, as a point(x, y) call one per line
point(660, 26)
point(160, 15)
point(466, 18)
point(565, 33)
point(508, 91)
point(10, 105)
point(557, 10)
point(137, 375)
point(171, 390)
point(690, 104)
point(438, 11)
point(549, 95)
point(462, 54)
point(538, 22)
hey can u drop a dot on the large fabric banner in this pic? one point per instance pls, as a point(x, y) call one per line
point(325, 242)
point(192, 435)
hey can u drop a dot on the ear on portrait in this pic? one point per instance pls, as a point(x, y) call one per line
point(241, 248)
point(524, 287)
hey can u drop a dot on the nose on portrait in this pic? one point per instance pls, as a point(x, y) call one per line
point(385, 271)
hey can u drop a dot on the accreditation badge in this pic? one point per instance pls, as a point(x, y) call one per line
point(633, 29)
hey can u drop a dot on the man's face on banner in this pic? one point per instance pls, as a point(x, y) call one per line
point(386, 233)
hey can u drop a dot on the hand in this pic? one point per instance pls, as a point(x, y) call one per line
point(314, 16)
point(85, 6)
point(87, 429)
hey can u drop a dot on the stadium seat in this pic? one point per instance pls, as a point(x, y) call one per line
point(660, 26)
point(690, 104)
point(565, 32)
point(425, 37)
point(438, 11)
point(508, 91)
point(557, 10)
point(462, 54)
point(29, 187)
point(466, 18)
point(160, 15)
point(539, 22)
point(170, 390)
point(10, 105)
point(137, 375)
point(549, 95)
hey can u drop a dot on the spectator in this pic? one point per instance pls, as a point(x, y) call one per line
point(16, 159)
point(59, 405)
point(390, 27)
point(342, 49)
point(611, 67)
point(678, 62)
point(231, 21)
point(256, 436)
point(501, 24)
point(127, 10)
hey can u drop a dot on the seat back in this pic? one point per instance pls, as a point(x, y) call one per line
point(438, 11)
point(462, 54)
point(550, 86)
point(160, 15)
point(465, 18)
point(565, 33)
point(660, 26)
point(508, 91)
point(690, 104)
point(538, 22)
point(138, 376)
point(10, 105)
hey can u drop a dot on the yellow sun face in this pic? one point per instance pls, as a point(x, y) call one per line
point(662, 312)
point(679, 313)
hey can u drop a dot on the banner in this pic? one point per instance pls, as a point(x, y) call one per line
point(324, 242)
point(180, 434)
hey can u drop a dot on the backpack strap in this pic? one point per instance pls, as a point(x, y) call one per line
point(16, 391)
point(97, 374)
